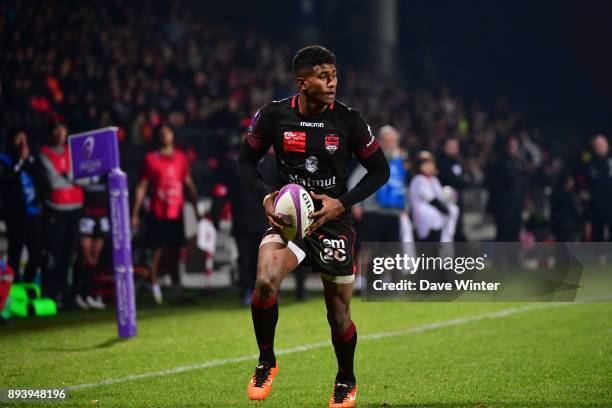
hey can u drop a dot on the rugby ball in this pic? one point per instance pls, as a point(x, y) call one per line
point(294, 205)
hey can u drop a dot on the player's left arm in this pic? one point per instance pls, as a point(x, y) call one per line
point(366, 148)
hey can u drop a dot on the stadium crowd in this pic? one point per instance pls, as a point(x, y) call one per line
point(67, 69)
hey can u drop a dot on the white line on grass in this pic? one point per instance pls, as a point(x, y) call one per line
point(321, 344)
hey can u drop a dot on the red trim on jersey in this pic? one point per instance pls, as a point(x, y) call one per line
point(331, 107)
point(370, 150)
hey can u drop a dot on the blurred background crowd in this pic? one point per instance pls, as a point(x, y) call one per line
point(517, 170)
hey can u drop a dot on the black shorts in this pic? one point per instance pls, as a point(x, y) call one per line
point(165, 233)
point(94, 227)
point(330, 249)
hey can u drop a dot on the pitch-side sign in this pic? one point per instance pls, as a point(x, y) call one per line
point(95, 153)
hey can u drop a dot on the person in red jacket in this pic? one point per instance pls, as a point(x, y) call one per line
point(63, 204)
point(165, 173)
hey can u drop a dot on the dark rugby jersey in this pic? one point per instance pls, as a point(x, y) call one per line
point(313, 151)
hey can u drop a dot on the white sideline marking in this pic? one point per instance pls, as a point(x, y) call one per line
point(321, 344)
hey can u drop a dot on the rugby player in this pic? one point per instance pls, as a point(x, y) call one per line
point(314, 137)
point(165, 173)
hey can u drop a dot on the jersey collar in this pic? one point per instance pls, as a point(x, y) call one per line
point(296, 108)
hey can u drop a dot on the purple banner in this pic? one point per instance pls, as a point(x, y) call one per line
point(94, 153)
point(122, 253)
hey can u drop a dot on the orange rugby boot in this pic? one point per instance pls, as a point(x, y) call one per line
point(344, 395)
point(261, 383)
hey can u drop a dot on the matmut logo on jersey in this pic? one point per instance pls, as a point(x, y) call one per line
point(312, 182)
point(294, 141)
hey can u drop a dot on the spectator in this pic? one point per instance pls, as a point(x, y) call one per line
point(507, 186)
point(20, 192)
point(433, 217)
point(452, 174)
point(599, 183)
point(63, 206)
point(431, 213)
point(378, 216)
point(165, 173)
point(566, 211)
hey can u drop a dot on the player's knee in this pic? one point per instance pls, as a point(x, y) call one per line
point(267, 271)
point(266, 287)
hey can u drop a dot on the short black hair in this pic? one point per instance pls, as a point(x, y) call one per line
point(11, 134)
point(310, 56)
point(55, 123)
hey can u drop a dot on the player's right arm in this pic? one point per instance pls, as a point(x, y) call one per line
point(140, 194)
point(255, 145)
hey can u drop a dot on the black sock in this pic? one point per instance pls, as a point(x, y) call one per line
point(265, 316)
point(344, 346)
point(85, 275)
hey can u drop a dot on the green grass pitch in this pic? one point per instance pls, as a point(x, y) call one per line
point(410, 355)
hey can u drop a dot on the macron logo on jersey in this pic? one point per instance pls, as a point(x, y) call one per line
point(312, 124)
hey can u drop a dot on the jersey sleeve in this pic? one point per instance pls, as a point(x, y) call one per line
point(362, 142)
point(256, 144)
point(259, 133)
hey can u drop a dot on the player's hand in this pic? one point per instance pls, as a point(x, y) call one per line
point(332, 209)
point(274, 219)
